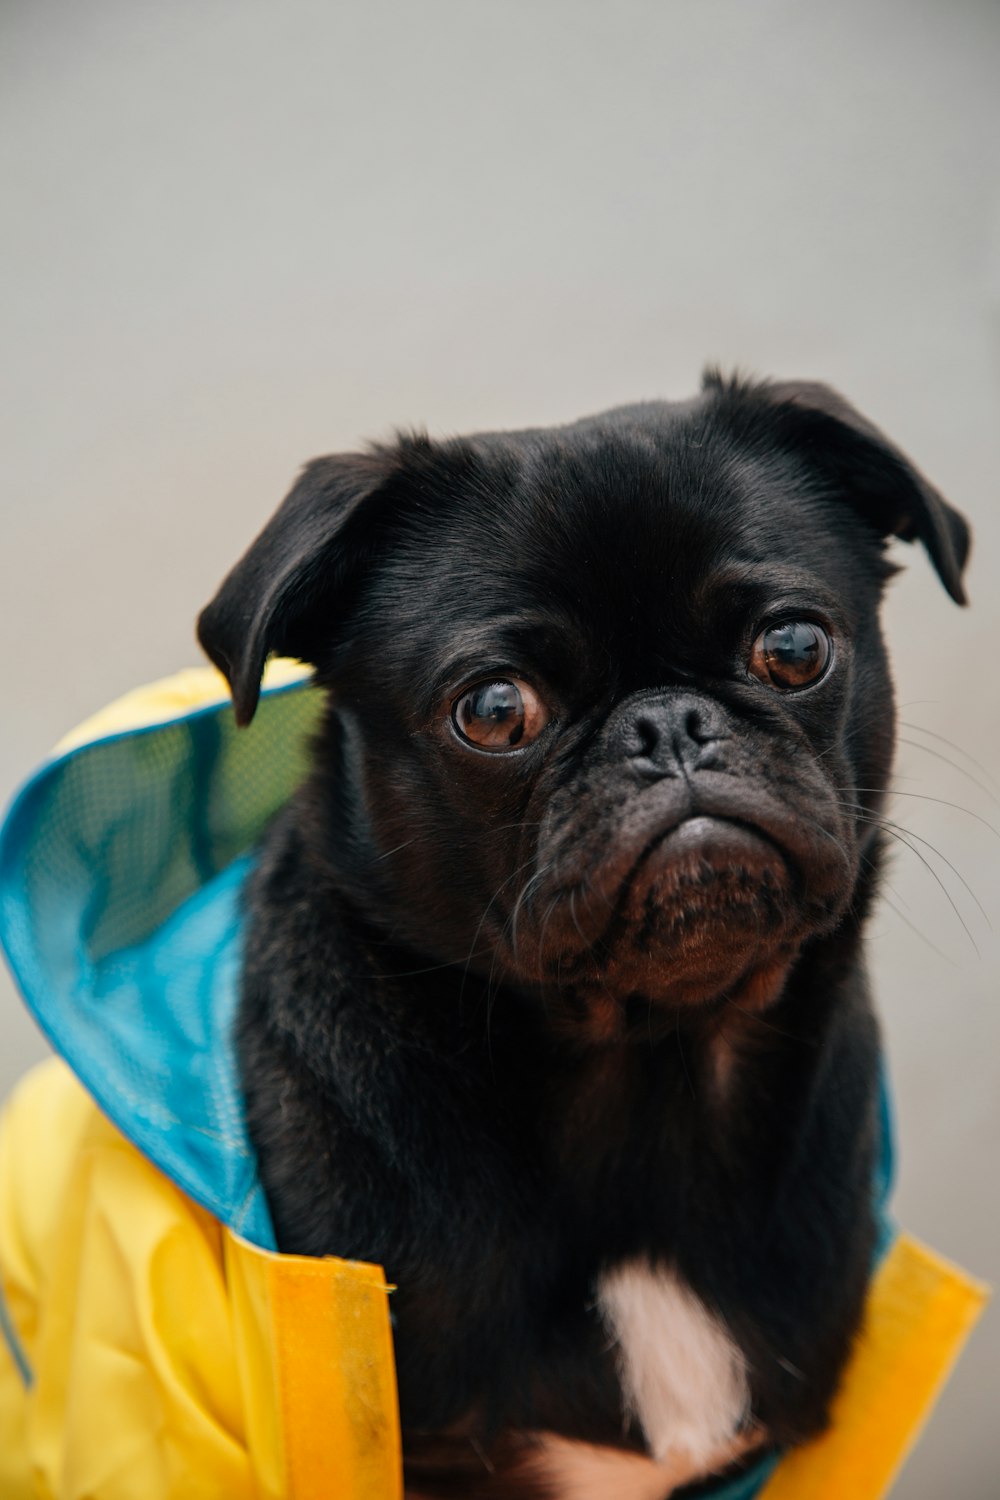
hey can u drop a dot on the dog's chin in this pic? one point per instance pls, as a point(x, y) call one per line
point(710, 914)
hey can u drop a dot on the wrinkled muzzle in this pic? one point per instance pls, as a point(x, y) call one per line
point(687, 860)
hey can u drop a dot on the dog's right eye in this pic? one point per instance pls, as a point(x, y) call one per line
point(791, 654)
point(500, 715)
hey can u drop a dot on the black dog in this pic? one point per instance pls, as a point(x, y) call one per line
point(554, 1001)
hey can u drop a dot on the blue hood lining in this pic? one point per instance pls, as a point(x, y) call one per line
point(122, 865)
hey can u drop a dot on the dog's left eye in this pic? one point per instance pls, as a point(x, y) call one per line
point(791, 654)
point(500, 715)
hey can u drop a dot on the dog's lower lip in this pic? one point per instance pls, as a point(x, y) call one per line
point(705, 834)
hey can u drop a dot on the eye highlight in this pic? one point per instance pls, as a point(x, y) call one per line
point(791, 654)
point(499, 715)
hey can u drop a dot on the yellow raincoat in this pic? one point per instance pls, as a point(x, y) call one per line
point(153, 1344)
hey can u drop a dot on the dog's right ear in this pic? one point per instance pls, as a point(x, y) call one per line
point(301, 559)
point(875, 477)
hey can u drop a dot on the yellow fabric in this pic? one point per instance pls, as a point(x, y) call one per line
point(156, 702)
point(920, 1311)
point(172, 1359)
point(346, 1423)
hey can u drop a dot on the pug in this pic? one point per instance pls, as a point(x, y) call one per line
point(554, 1000)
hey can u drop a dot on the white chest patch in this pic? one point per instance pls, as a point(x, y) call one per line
point(682, 1375)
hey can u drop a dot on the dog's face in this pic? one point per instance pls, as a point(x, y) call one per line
point(610, 711)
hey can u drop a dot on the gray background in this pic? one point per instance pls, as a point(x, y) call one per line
point(239, 234)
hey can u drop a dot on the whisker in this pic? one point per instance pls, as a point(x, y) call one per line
point(450, 963)
point(508, 934)
point(901, 834)
point(467, 837)
point(538, 876)
point(920, 934)
point(572, 912)
point(888, 824)
point(941, 801)
point(894, 831)
point(947, 761)
point(545, 922)
point(389, 852)
point(885, 884)
point(486, 911)
point(942, 739)
point(898, 836)
point(837, 843)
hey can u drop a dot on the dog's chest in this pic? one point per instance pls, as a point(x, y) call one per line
point(682, 1381)
point(682, 1375)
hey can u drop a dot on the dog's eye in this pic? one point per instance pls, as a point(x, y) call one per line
point(499, 715)
point(792, 654)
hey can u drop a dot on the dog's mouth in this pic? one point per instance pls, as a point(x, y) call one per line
point(704, 874)
point(713, 843)
point(711, 906)
point(700, 909)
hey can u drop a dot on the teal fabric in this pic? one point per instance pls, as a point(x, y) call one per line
point(745, 1486)
point(122, 865)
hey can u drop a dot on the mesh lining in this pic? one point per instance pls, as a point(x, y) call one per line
point(121, 870)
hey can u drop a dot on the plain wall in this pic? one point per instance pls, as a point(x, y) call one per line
point(239, 234)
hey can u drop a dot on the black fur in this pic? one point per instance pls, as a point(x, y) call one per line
point(498, 1033)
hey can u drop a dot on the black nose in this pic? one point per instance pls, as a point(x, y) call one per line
point(671, 735)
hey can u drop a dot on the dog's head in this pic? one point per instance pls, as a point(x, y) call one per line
point(610, 714)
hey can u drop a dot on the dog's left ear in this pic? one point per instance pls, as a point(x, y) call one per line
point(876, 476)
point(290, 581)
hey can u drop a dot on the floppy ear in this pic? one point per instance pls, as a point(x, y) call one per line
point(877, 477)
point(269, 600)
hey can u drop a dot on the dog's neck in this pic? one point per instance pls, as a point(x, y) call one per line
point(586, 1065)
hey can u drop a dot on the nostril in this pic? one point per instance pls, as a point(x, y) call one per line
point(694, 728)
point(702, 727)
point(662, 737)
point(647, 737)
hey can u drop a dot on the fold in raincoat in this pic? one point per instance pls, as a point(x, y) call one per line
point(153, 1343)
